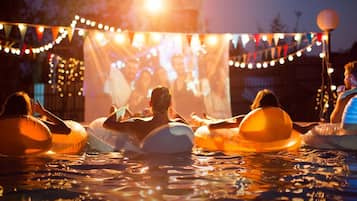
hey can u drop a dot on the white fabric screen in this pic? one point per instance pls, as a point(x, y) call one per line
point(122, 69)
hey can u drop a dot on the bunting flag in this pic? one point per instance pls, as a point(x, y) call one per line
point(202, 38)
point(285, 49)
point(70, 32)
point(257, 39)
point(266, 53)
point(309, 37)
point(276, 39)
point(23, 29)
point(254, 56)
point(272, 52)
point(189, 39)
point(7, 29)
point(55, 31)
point(39, 32)
point(319, 37)
point(245, 39)
point(131, 37)
point(235, 38)
point(270, 39)
point(278, 53)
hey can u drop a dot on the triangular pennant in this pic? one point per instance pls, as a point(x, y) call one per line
point(189, 39)
point(245, 39)
point(257, 39)
point(254, 56)
point(309, 37)
point(276, 39)
point(131, 37)
point(7, 29)
point(55, 31)
point(270, 39)
point(235, 38)
point(39, 32)
point(23, 29)
point(319, 37)
point(70, 32)
point(286, 48)
point(278, 51)
point(202, 38)
point(272, 52)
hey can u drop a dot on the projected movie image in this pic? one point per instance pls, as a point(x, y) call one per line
point(122, 70)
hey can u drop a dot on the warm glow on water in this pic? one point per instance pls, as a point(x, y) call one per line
point(308, 174)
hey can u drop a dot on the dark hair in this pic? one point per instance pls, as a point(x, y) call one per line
point(351, 68)
point(160, 99)
point(265, 98)
point(18, 103)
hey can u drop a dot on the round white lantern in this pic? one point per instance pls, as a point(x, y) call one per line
point(327, 20)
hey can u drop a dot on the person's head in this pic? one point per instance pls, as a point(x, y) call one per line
point(131, 68)
point(143, 78)
point(351, 75)
point(178, 63)
point(160, 99)
point(18, 103)
point(265, 98)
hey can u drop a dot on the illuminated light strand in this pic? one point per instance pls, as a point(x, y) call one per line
point(93, 24)
point(64, 74)
point(34, 50)
point(264, 64)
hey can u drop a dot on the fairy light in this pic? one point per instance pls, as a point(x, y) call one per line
point(66, 76)
point(330, 70)
point(230, 62)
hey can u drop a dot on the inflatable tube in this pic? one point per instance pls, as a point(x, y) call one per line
point(331, 136)
point(172, 138)
point(169, 139)
point(106, 140)
point(73, 143)
point(262, 130)
point(24, 135)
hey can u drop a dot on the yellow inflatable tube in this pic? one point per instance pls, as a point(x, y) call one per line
point(262, 130)
point(24, 135)
point(72, 143)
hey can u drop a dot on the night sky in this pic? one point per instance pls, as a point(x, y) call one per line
point(245, 16)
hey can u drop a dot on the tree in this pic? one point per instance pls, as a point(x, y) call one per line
point(277, 25)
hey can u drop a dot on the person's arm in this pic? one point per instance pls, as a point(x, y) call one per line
point(55, 124)
point(337, 112)
point(129, 126)
point(233, 122)
point(305, 128)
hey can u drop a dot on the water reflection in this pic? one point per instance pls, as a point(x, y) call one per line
point(307, 174)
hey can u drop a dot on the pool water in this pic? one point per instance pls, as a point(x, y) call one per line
point(307, 174)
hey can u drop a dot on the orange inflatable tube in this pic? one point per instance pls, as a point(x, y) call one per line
point(262, 130)
point(72, 143)
point(24, 135)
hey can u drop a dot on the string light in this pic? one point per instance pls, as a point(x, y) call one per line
point(66, 76)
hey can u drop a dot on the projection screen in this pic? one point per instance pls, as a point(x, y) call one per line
point(121, 69)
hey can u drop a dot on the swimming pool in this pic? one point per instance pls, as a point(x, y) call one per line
point(307, 174)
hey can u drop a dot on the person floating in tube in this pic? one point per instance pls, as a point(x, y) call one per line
point(345, 92)
point(20, 104)
point(160, 103)
point(264, 98)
